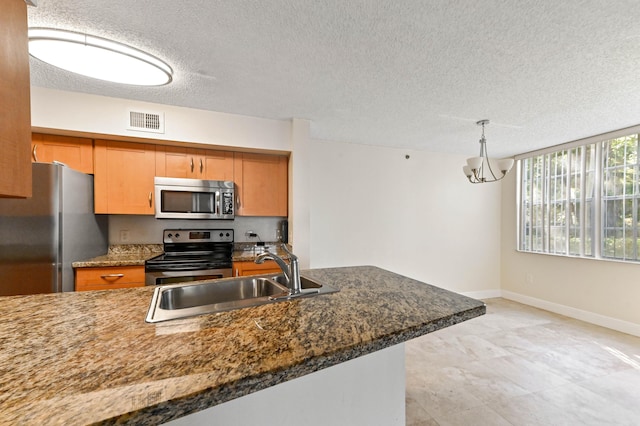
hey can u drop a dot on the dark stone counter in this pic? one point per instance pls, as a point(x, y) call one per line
point(89, 357)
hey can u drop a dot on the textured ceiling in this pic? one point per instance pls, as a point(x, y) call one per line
point(408, 74)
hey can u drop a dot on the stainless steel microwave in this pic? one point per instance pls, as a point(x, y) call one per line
point(178, 198)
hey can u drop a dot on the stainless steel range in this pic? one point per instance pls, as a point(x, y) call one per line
point(191, 255)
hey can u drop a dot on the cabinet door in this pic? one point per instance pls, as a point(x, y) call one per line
point(76, 153)
point(180, 162)
point(262, 184)
point(124, 175)
point(172, 161)
point(15, 113)
point(218, 165)
point(109, 278)
point(243, 269)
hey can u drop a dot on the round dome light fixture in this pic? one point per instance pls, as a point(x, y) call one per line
point(97, 57)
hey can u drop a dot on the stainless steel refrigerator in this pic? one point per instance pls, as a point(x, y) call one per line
point(41, 236)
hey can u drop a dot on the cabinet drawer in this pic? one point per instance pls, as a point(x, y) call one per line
point(109, 278)
point(241, 269)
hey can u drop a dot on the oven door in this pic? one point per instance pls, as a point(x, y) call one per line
point(175, 277)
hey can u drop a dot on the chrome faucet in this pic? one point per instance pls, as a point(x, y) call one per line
point(291, 272)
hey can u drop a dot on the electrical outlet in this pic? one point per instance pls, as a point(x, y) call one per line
point(124, 235)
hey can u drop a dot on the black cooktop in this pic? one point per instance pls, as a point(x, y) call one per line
point(192, 250)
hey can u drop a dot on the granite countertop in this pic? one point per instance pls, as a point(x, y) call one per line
point(122, 255)
point(137, 254)
point(89, 357)
point(247, 252)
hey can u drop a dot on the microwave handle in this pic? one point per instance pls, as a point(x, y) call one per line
point(217, 203)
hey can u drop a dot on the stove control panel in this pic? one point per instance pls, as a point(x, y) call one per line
point(190, 236)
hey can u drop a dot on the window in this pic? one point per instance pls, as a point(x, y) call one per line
point(620, 198)
point(582, 201)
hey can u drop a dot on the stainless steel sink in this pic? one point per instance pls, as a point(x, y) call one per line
point(186, 300)
point(216, 293)
point(305, 283)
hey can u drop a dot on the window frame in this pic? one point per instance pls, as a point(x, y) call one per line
point(596, 200)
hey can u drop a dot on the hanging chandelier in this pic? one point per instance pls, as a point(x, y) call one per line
point(479, 169)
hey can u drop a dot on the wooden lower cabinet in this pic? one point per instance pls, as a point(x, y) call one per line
point(108, 278)
point(242, 269)
point(123, 182)
point(77, 153)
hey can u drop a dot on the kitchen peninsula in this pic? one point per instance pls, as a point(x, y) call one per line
point(83, 358)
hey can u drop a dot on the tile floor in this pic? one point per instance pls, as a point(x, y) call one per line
point(518, 365)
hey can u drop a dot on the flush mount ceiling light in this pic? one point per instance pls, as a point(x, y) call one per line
point(477, 166)
point(97, 57)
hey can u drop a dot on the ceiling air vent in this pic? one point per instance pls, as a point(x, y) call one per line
point(146, 121)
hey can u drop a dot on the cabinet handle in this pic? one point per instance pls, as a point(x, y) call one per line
point(35, 153)
point(112, 276)
point(150, 198)
point(238, 202)
point(237, 273)
point(201, 166)
point(191, 164)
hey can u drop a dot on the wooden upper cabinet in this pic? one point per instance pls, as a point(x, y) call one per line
point(261, 182)
point(77, 153)
point(181, 162)
point(15, 107)
point(218, 165)
point(124, 173)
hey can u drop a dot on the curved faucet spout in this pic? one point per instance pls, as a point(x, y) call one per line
point(291, 273)
point(267, 255)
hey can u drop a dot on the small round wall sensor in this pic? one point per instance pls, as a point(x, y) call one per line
point(407, 156)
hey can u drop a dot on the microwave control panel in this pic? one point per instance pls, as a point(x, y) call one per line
point(227, 203)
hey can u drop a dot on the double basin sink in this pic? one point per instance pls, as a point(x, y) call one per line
point(186, 300)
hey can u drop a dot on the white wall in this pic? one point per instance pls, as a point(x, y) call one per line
point(602, 292)
point(85, 113)
point(418, 217)
point(299, 191)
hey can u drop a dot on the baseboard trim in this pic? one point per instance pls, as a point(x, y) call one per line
point(586, 316)
point(484, 294)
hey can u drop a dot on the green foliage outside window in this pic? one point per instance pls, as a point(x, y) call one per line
point(560, 200)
